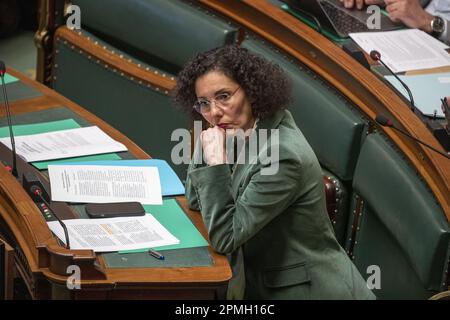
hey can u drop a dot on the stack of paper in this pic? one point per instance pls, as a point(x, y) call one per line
point(114, 234)
point(64, 144)
point(405, 50)
point(105, 184)
point(171, 185)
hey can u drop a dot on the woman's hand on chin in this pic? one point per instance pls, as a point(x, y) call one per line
point(213, 143)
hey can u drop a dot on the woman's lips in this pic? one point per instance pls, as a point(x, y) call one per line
point(223, 125)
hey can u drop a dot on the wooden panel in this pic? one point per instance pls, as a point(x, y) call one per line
point(9, 270)
point(42, 262)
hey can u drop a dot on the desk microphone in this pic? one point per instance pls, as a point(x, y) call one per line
point(8, 117)
point(375, 55)
point(386, 122)
point(37, 191)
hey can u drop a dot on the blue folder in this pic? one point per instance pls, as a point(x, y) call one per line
point(171, 185)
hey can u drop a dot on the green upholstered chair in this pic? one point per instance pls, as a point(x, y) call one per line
point(397, 225)
point(158, 36)
point(143, 113)
point(164, 34)
point(332, 127)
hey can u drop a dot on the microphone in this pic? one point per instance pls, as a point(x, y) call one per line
point(37, 191)
point(386, 122)
point(375, 55)
point(8, 117)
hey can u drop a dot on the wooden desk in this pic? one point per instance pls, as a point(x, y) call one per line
point(42, 263)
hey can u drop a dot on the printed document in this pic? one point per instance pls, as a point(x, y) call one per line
point(405, 50)
point(104, 184)
point(114, 234)
point(64, 144)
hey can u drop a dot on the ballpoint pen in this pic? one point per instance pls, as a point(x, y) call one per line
point(155, 254)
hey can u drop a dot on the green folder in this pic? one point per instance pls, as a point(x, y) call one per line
point(44, 127)
point(173, 218)
point(10, 79)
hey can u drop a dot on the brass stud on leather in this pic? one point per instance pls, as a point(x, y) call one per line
point(96, 43)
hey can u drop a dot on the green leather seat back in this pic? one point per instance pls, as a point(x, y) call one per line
point(333, 129)
point(402, 229)
point(171, 32)
point(143, 114)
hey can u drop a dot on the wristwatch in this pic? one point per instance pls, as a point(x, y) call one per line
point(437, 26)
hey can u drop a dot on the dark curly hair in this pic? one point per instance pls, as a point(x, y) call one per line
point(266, 85)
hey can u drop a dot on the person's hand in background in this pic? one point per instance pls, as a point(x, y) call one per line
point(349, 4)
point(410, 13)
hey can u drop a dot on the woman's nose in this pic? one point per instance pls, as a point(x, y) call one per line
point(216, 111)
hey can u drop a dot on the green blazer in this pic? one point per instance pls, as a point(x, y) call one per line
point(275, 228)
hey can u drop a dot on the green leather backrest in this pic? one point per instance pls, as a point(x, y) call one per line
point(333, 129)
point(172, 31)
point(402, 228)
point(143, 114)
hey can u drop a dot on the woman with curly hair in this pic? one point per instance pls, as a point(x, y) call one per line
point(273, 227)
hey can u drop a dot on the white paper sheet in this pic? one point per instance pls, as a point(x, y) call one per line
point(104, 184)
point(114, 234)
point(64, 144)
point(404, 50)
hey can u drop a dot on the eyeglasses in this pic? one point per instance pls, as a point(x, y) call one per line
point(221, 100)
